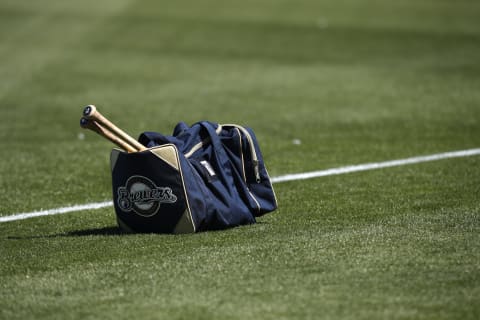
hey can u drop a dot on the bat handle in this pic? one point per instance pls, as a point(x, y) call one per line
point(91, 112)
point(99, 129)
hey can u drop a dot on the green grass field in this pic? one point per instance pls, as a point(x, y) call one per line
point(354, 81)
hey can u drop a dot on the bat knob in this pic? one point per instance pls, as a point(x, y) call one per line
point(83, 122)
point(89, 110)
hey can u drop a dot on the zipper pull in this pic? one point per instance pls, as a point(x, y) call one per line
point(256, 169)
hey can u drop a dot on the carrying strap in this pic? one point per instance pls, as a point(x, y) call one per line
point(202, 143)
point(216, 132)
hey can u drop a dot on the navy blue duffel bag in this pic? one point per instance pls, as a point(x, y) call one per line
point(204, 177)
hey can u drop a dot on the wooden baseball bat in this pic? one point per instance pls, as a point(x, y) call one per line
point(90, 112)
point(94, 126)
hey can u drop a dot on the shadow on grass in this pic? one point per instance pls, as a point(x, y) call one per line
point(112, 231)
point(105, 231)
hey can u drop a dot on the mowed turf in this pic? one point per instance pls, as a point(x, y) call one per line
point(353, 81)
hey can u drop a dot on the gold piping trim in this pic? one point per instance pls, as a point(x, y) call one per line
point(271, 186)
point(190, 217)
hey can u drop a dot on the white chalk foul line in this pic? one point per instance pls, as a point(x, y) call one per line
point(375, 165)
point(283, 178)
point(88, 206)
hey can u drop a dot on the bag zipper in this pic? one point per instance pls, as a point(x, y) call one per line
point(256, 164)
point(243, 171)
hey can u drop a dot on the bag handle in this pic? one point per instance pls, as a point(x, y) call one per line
point(202, 143)
point(213, 138)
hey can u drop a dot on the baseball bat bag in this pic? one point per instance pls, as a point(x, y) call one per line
point(204, 177)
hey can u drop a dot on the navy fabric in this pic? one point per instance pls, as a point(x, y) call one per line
point(146, 166)
point(220, 180)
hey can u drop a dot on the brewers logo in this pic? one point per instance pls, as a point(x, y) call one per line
point(142, 196)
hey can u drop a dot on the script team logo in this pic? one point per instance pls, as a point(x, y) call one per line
point(142, 196)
